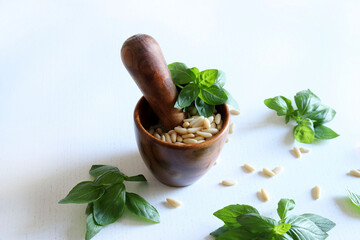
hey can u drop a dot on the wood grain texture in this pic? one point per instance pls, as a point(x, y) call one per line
point(143, 58)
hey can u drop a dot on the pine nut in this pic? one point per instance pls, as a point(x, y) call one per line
point(268, 173)
point(167, 138)
point(180, 130)
point(213, 125)
point(355, 173)
point(197, 122)
point(204, 134)
point(249, 168)
point(198, 138)
point(190, 135)
point(163, 138)
point(264, 195)
point(193, 130)
point(186, 124)
point(234, 112)
point(304, 150)
point(211, 119)
point(219, 126)
point(206, 123)
point(173, 136)
point(151, 131)
point(174, 203)
point(232, 128)
point(157, 135)
point(278, 170)
point(316, 191)
point(189, 141)
point(179, 143)
point(171, 131)
point(200, 141)
point(211, 130)
point(297, 152)
point(217, 118)
point(227, 140)
point(179, 138)
point(159, 131)
point(229, 182)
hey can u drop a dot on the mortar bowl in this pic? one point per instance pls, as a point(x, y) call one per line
point(172, 164)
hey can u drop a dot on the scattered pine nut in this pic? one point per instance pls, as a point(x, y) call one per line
point(304, 150)
point(316, 191)
point(355, 173)
point(227, 140)
point(297, 152)
point(249, 168)
point(217, 118)
point(229, 182)
point(232, 128)
point(234, 112)
point(264, 195)
point(278, 170)
point(174, 203)
point(268, 173)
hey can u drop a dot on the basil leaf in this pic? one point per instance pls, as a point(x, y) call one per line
point(304, 132)
point(231, 101)
point(89, 208)
point(282, 228)
point(220, 79)
point(323, 223)
point(280, 104)
point(355, 198)
point(110, 206)
point(91, 227)
point(84, 192)
point(207, 78)
point(203, 108)
point(97, 170)
point(137, 178)
point(180, 73)
point(228, 214)
point(195, 71)
point(110, 177)
point(255, 223)
point(238, 233)
point(303, 228)
point(306, 101)
point(322, 115)
point(187, 95)
point(322, 132)
point(219, 231)
point(213, 95)
point(141, 207)
point(284, 206)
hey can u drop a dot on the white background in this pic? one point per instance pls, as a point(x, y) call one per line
point(66, 102)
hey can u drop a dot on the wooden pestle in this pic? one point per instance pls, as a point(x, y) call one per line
point(143, 58)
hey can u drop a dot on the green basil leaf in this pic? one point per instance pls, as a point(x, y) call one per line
point(213, 95)
point(89, 208)
point(141, 207)
point(180, 73)
point(231, 101)
point(219, 231)
point(307, 102)
point(302, 228)
point(238, 233)
point(229, 214)
point(323, 223)
point(137, 178)
point(97, 170)
point(195, 71)
point(255, 223)
point(84, 192)
point(280, 104)
point(91, 227)
point(304, 132)
point(220, 79)
point(284, 206)
point(110, 177)
point(282, 228)
point(322, 115)
point(355, 198)
point(203, 108)
point(322, 132)
point(207, 78)
point(110, 206)
point(187, 95)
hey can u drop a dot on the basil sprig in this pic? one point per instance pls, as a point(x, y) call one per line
point(202, 90)
point(310, 116)
point(354, 197)
point(244, 222)
point(107, 198)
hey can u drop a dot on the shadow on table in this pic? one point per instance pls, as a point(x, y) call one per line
point(48, 215)
point(347, 207)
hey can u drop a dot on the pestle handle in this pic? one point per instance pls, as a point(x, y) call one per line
point(143, 58)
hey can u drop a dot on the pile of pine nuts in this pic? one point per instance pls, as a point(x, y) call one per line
point(195, 129)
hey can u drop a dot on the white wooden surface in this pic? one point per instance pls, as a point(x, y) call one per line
point(66, 102)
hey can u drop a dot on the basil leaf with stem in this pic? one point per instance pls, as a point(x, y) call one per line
point(229, 214)
point(195, 70)
point(256, 223)
point(109, 178)
point(97, 170)
point(231, 101)
point(306, 101)
point(137, 178)
point(280, 104)
point(91, 227)
point(282, 228)
point(323, 132)
point(322, 115)
point(187, 95)
point(84, 192)
point(213, 95)
point(284, 206)
point(323, 223)
point(207, 78)
point(303, 228)
point(140, 207)
point(239, 233)
point(220, 231)
point(355, 198)
point(180, 73)
point(110, 206)
point(304, 132)
point(203, 108)
point(220, 79)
